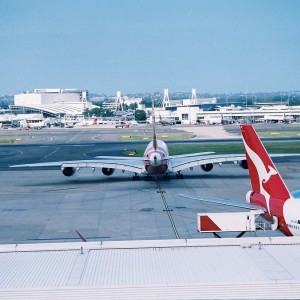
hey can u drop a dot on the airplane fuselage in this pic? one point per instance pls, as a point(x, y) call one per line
point(291, 213)
point(285, 211)
point(156, 158)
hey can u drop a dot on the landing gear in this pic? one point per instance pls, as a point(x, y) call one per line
point(179, 175)
point(135, 177)
point(167, 177)
point(148, 177)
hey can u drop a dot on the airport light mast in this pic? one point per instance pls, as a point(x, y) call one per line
point(118, 101)
point(166, 99)
point(194, 97)
point(193, 101)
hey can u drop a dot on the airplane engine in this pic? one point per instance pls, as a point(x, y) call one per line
point(207, 167)
point(68, 171)
point(108, 171)
point(244, 164)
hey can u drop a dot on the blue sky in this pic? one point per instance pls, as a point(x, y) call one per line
point(149, 45)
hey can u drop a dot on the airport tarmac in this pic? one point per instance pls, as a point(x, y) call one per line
point(45, 206)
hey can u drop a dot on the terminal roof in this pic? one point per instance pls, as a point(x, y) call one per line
point(196, 268)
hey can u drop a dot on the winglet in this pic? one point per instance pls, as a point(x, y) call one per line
point(265, 178)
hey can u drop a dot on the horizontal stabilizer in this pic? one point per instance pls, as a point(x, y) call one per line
point(233, 203)
point(296, 194)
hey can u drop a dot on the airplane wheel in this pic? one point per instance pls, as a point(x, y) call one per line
point(167, 177)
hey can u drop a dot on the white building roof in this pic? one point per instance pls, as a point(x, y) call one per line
point(267, 268)
point(55, 109)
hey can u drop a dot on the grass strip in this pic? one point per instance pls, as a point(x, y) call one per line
point(10, 141)
point(226, 148)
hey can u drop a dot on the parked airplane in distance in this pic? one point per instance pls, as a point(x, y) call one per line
point(269, 192)
point(165, 121)
point(155, 161)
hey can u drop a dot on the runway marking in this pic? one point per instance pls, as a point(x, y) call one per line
point(75, 136)
point(51, 152)
point(167, 209)
point(97, 137)
point(63, 189)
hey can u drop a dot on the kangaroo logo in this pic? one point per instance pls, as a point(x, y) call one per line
point(269, 174)
point(263, 174)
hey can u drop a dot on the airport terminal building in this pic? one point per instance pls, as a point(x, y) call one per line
point(52, 102)
point(65, 103)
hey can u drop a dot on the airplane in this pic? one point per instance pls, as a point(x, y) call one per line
point(155, 161)
point(165, 122)
point(269, 192)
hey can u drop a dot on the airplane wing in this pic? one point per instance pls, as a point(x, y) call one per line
point(132, 164)
point(185, 161)
point(227, 202)
point(119, 157)
point(191, 155)
point(182, 162)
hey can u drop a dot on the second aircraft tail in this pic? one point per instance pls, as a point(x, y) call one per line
point(265, 179)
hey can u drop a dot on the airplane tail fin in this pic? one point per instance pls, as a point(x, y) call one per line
point(265, 179)
point(154, 139)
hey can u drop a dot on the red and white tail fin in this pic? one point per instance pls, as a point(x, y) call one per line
point(265, 179)
point(154, 139)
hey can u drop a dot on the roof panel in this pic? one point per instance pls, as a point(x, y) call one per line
point(36, 269)
point(216, 268)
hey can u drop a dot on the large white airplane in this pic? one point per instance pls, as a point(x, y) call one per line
point(155, 161)
point(269, 192)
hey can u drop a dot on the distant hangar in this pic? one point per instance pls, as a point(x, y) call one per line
point(52, 102)
point(245, 268)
